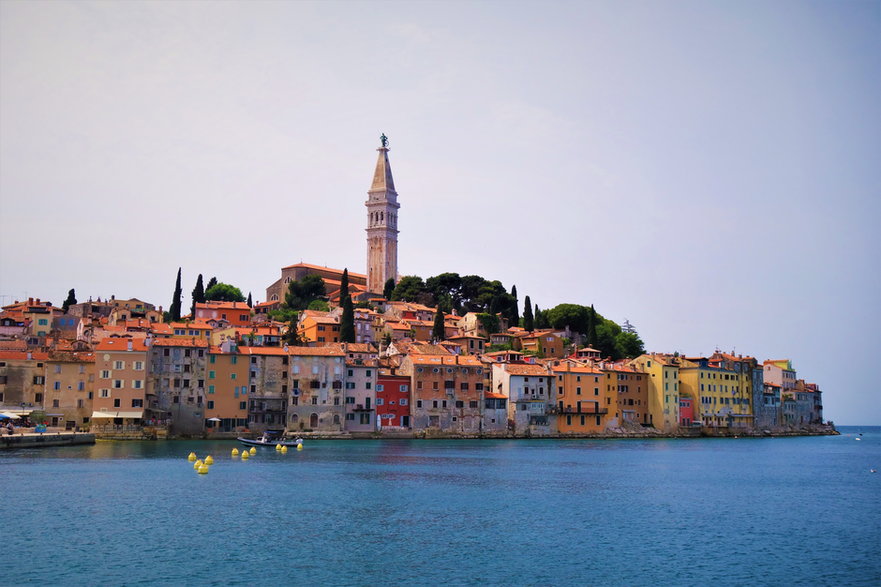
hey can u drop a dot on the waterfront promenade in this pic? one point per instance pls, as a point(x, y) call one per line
point(45, 439)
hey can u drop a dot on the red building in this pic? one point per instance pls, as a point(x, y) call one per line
point(392, 399)
point(686, 411)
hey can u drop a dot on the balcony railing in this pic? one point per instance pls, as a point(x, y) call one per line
point(584, 410)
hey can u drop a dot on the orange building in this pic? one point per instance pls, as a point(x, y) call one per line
point(226, 394)
point(319, 327)
point(544, 343)
point(584, 401)
point(629, 387)
point(121, 382)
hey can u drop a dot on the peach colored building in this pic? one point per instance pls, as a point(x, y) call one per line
point(121, 383)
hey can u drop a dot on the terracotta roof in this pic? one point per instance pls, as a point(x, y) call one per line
point(181, 342)
point(263, 350)
point(195, 325)
point(308, 266)
point(360, 347)
point(317, 351)
point(461, 360)
point(494, 395)
point(23, 356)
point(526, 370)
point(13, 345)
point(121, 344)
point(560, 369)
point(223, 306)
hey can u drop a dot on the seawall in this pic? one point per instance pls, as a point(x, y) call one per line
point(33, 440)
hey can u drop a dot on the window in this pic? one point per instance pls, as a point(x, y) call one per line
point(460, 404)
point(210, 404)
point(380, 387)
point(119, 364)
point(137, 403)
point(419, 403)
point(405, 387)
point(116, 403)
point(380, 401)
point(105, 374)
point(104, 393)
point(243, 405)
point(57, 385)
point(139, 384)
point(403, 401)
point(117, 384)
point(472, 404)
point(139, 365)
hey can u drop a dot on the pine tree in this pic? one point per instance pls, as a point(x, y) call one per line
point(437, 331)
point(388, 288)
point(211, 283)
point(347, 322)
point(541, 319)
point(291, 336)
point(250, 301)
point(71, 300)
point(515, 309)
point(174, 309)
point(198, 296)
point(528, 318)
point(344, 286)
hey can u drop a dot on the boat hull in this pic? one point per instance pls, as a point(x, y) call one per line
point(271, 444)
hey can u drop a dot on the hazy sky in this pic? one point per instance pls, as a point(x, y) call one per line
point(708, 170)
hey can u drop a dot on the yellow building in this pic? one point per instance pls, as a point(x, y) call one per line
point(663, 389)
point(742, 392)
point(715, 390)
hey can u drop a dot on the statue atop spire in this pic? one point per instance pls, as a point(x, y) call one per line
point(384, 140)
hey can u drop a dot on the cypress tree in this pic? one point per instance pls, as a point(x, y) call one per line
point(198, 296)
point(528, 318)
point(591, 327)
point(388, 288)
point(347, 322)
point(437, 331)
point(71, 300)
point(174, 309)
point(541, 319)
point(250, 301)
point(515, 309)
point(211, 283)
point(344, 285)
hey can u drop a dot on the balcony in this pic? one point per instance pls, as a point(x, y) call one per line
point(361, 408)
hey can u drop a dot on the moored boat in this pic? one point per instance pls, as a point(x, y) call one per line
point(271, 439)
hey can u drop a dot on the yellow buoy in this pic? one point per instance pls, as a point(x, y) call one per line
point(278, 447)
point(245, 455)
point(209, 460)
point(235, 452)
point(299, 447)
point(192, 457)
point(203, 469)
point(198, 464)
point(253, 450)
point(284, 450)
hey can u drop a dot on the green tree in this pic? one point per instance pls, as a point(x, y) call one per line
point(250, 301)
point(628, 345)
point(344, 285)
point(446, 287)
point(514, 318)
point(211, 283)
point(411, 288)
point(319, 305)
point(591, 333)
point(528, 318)
point(302, 292)
point(572, 315)
point(437, 330)
point(198, 295)
point(388, 288)
point(347, 321)
point(292, 337)
point(490, 322)
point(607, 337)
point(541, 319)
point(174, 308)
point(71, 300)
point(223, 292)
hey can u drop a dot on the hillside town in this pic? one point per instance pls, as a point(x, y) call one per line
point(361, 358)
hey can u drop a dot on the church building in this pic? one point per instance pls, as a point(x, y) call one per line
point(382, 241)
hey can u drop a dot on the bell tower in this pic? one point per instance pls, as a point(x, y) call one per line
point(382, 224)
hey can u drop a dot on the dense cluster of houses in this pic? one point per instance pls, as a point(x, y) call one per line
point(114, 366)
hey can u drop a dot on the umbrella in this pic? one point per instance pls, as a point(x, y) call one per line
point(214, 419)
point(9, 415)
point(4, 417)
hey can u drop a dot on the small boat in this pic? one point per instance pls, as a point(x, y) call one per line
point(270, 438)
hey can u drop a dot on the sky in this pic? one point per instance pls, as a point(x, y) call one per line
point(708, 171)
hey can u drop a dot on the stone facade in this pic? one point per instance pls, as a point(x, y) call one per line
point(382, 226)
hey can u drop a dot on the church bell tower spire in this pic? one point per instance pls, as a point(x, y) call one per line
point(382, 224)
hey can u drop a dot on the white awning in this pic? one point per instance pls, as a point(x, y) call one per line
point(103, 415)
point(138, 414)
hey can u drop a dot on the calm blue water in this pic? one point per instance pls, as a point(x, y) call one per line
point(787, 511)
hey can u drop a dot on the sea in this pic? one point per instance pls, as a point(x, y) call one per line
point(709, 511)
